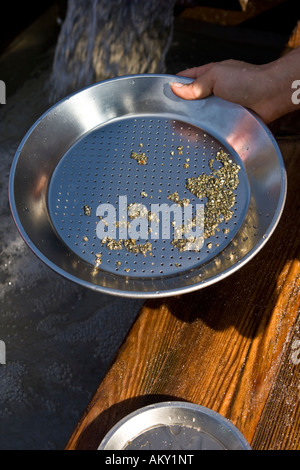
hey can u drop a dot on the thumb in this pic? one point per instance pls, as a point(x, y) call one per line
point(199, 88)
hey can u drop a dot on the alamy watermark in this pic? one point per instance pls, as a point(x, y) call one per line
point(158, 221)
point(296, 94)
point(2, 92)
point(2, 352)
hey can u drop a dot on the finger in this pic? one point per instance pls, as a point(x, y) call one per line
point(200, 88)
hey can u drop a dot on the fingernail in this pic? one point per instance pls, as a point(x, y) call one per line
point(177, 84)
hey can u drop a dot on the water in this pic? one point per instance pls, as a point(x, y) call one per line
point(100, 40)
point(59, 338)
point(175, 437)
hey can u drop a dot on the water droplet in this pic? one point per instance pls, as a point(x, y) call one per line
point(175, 430)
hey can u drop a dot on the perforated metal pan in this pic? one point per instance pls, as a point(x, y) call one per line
point(174, 425)
point(78, 156)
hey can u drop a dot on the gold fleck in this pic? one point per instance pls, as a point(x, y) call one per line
point(86, 210)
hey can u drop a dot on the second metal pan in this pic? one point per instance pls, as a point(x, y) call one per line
point(174, 425)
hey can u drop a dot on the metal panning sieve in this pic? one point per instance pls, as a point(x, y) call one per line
point(124, 157)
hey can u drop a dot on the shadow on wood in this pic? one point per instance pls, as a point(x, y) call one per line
point(96, 430)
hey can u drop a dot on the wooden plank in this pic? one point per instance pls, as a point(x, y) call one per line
point(25, 52)
point(225, 347)
point(278, 428)
point(244, 4)
point(294, 40)
point(249, 9)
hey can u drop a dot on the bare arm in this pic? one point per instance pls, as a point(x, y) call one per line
point(266, 89)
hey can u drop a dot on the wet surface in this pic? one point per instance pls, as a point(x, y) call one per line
point(59, 338)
